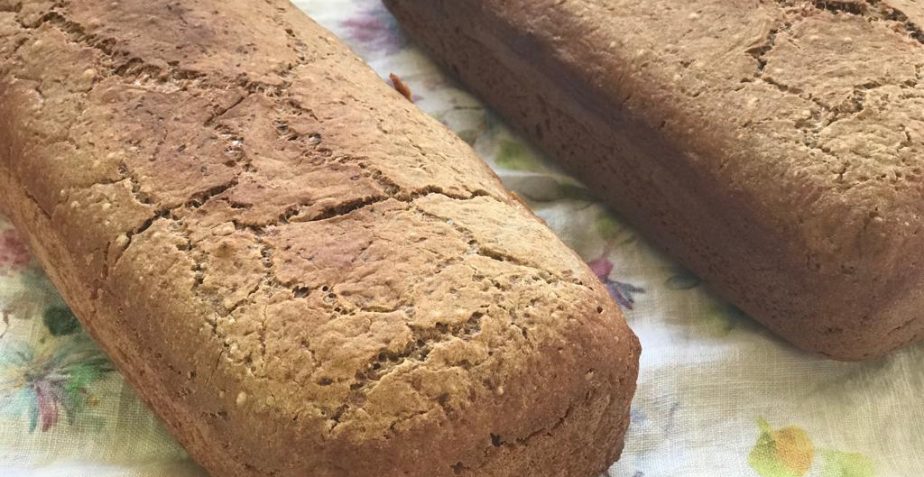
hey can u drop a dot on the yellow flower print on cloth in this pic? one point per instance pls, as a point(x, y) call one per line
point(789, 452)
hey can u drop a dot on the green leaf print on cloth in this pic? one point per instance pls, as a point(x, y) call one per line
point(845, 464)
point(789, 452)
point(51, 378)
point(515, 155)
point(60, 321)
point(720, 319)
point(682, 280)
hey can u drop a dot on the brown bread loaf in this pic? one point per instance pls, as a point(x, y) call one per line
point(301, 273)
point(773, 146)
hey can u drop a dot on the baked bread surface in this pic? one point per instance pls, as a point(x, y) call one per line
point(773, 146)
point(300, 272)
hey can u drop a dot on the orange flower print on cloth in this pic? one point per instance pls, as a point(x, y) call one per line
point(790, 452)
point(787, 452)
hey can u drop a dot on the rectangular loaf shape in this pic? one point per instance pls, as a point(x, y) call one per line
point(299, 271)
point(772, 146)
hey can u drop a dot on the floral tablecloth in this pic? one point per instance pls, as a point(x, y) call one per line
point(718, 395)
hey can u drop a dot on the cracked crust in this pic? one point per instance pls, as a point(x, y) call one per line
point(773, 146)
point(299, 271)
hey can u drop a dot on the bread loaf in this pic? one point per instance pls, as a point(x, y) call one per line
point(775, 147)
point(301, 273)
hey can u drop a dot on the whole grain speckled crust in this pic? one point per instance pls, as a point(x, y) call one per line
point(774, 146)
point(299, 271)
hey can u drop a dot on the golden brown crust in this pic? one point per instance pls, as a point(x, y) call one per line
point(299, 271)
point(772, 146)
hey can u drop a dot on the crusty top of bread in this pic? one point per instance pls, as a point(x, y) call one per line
point(807, 113)
point(309, 272)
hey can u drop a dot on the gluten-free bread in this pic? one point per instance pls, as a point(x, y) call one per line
point(775, 147)
point(301, 273)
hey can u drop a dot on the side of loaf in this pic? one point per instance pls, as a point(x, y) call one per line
point(300, 272)
point(774, 147)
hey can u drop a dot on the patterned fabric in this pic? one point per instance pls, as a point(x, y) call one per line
point(718, 395)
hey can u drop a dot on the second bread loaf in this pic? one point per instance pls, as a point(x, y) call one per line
point(773, 146)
